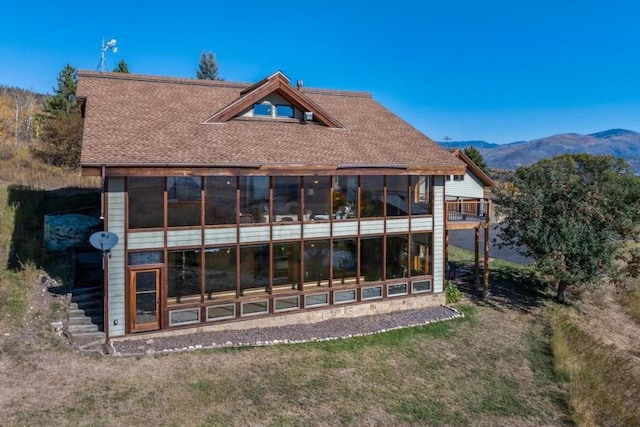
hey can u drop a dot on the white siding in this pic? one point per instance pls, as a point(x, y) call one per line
point(220, 236)
point(253, 234)
point(398, 225)
point(438, 234)
point(372, 227)
point(315, 230)
point(471, 187)
point(116, 262)
point(145, 240)
point(422, 224)
point(286, 231)
point(345, 228)
point(184, 238)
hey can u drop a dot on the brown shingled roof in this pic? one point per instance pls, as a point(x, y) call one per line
point(136, 120)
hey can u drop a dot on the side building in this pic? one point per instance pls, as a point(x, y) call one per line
point(244, 205)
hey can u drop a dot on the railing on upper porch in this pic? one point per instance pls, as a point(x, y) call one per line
point(468, 210)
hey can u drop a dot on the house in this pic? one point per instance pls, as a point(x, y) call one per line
point(243, 205)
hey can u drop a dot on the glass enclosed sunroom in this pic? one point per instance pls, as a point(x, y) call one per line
point(241, 204)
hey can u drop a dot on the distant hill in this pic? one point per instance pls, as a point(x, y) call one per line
point(614, 142)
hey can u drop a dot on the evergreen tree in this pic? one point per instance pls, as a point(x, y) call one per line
point(59, 127)
point(122, 67)
point(476, 157)
point(208, 68)
point(64, 98)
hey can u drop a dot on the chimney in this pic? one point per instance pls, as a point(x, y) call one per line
point(299, 84)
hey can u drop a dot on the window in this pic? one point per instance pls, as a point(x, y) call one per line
point(286, 266)
point(340, 297)
point(284, 111)
point(256, 307)
point(458, 177)
point(345, 197)
point(220, 272)
point(183, 193)
point(372, 293)
point(219, 312)
point(220, 200)
point(371, 258)
point(184, 317)
point(394, 289)
point(420, 195)
point(397, 195)
point(316, 198)
point(316, 300)
point(145, 202)
point(286, 304)
point(397, 257)
point(421, 286)
point(286, 198)
point(183, 276)
point(345, 255)
point(371, 189)
point(316, 263)
point(420, 254)
point(144, 258)
point(262, 109)
point(254, 269)
point(254, 199)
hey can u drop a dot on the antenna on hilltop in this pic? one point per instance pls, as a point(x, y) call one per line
point(111, 45)
point(446, 141)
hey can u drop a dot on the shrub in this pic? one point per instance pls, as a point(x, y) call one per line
point(452, 292)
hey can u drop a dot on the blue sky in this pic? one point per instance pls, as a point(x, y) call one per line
point(497, 70)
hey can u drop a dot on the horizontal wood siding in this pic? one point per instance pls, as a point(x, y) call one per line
point(471, 187)
point(438, 234)
point(116, 262)
point(421, 224)
point(221, 236)
point(398, 225)
point(313, 231)
point(372, 227)
point(176, 238)
point(255, 234)
point(145, 240)
point(345, 228)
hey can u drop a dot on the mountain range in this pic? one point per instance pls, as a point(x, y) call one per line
point(614, 142)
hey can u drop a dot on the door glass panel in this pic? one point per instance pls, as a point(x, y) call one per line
point(146, 297)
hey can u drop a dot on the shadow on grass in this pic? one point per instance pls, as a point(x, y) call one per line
point(31, 206)
point(511, 287)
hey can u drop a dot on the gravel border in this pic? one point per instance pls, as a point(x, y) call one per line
point(326, 330)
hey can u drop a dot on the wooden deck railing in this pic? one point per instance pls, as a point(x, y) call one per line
point(475, 210)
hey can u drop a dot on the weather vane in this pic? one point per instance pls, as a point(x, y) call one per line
point(111, 45)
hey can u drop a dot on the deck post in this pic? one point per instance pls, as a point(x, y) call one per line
point(476, 251)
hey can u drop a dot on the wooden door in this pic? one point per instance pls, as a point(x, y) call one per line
point(144, 301)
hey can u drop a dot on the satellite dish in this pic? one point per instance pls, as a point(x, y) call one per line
point(103, 240)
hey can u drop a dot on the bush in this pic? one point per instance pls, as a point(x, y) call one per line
point(452, 292)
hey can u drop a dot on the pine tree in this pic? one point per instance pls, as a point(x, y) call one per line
point(208, 68)
point(122, 67)
point(476, 157)
point(59, 127)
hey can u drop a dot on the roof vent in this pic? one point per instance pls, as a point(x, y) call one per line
point(308, 116)
point(299, 84)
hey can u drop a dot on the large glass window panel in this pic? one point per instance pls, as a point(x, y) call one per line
point(254, 199)
point(397, 195)
point(371, 259)
point(421, 262)
point(345, 256)
point(254, 269)
point(183, 276)
point(345, 196)
point(286, 266)
point(316, 263)
point(220, 272)
point(371, 196)
point(286, 198)
point(420, 195)
point(316, 197)
point(220, 200)
point(183, 194)
point(145, 202)
point(397, 257)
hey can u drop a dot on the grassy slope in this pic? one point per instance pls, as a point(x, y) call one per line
point(493, 367)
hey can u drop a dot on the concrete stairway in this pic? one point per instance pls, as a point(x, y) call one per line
point(85, 325)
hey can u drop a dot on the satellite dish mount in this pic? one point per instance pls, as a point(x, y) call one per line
point(103, 241)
